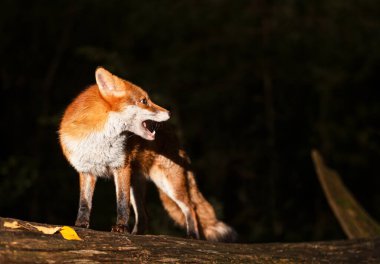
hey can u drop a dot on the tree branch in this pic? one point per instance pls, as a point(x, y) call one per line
point(354, 220)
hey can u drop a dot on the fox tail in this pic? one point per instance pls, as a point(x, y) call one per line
point(209, 226)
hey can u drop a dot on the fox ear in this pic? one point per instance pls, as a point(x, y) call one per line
point(107, 83)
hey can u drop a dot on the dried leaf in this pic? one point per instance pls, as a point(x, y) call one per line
point(13, 224)
point(69, 234)
point(48, 230)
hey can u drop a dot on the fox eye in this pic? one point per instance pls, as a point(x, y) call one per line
point(144, 101)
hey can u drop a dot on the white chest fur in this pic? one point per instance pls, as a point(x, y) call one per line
point(99, 151)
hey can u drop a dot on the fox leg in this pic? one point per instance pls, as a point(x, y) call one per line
point(173, 210)
point(172, 182)
point(87, 186)
point(122, 179)
point(138, 189)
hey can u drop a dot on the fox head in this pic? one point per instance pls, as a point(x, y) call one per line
point(130, 104)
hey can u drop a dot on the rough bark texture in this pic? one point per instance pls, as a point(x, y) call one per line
point(23, 246)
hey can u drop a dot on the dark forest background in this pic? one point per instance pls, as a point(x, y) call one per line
point(253, 86)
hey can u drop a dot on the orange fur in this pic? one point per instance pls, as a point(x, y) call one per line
point(86, 112)
point(93, 134)
point(96, 135)
point(166, 154)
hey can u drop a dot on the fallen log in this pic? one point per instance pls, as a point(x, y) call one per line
point(25, 246)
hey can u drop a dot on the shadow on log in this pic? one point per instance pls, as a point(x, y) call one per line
point(23, 246)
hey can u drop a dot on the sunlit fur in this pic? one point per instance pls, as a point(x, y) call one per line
point(164, 162)
point(92, 136)
point(92, 126)
point(102, 135)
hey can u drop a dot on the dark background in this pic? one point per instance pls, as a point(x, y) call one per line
point(253, 85)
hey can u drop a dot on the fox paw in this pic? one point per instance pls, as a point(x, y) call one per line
point(82, 224)
point(120, 228)
point(192, 235)
point(139, 229)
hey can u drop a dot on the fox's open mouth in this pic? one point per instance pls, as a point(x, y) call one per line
point(150, 127)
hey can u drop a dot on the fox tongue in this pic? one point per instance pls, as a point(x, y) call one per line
point(150, 126)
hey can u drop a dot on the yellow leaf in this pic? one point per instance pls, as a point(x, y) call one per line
point(69, 234)
point(13, 224)
point(48, 230)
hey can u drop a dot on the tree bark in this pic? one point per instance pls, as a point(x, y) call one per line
point(24, 246)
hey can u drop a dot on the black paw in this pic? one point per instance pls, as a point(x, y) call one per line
point(120, 229)
point(139, 229)
point(82, 224)
point(192, 235)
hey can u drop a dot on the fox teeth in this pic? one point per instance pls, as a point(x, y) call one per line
point(154, 132)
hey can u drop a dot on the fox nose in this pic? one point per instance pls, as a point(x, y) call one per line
point(168, 110)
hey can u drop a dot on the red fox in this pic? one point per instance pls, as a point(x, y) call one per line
point(109, 131)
